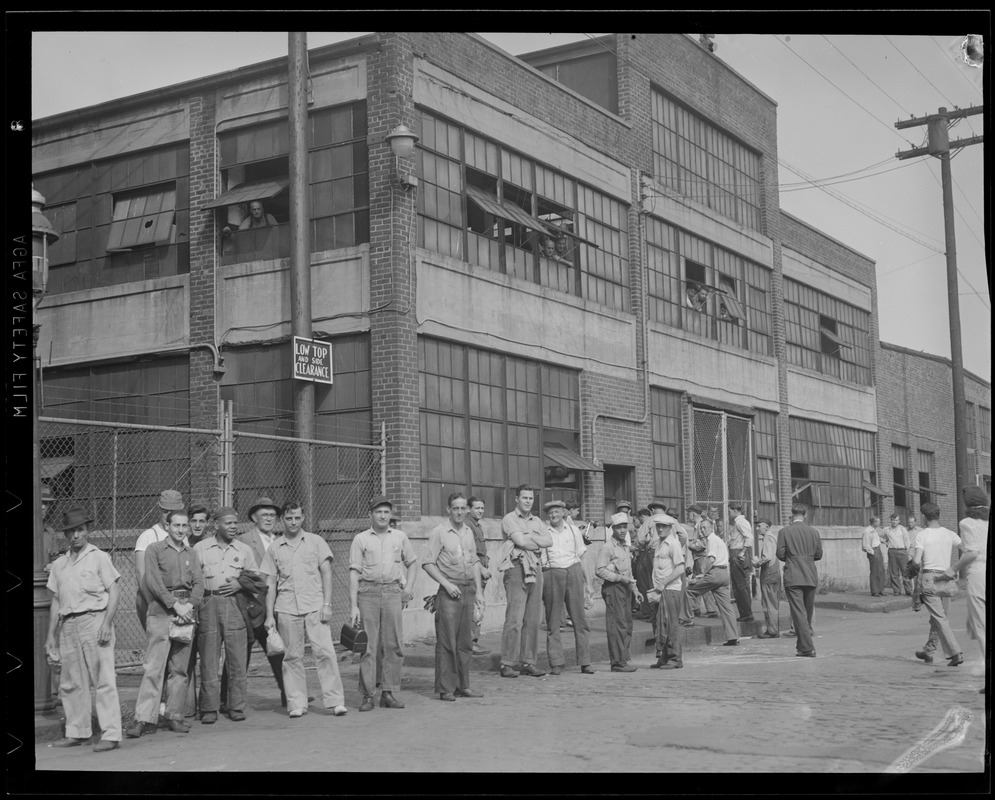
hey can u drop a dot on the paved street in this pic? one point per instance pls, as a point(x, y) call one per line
point(857, 708)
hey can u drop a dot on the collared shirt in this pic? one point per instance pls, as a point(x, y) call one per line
point(974, 537)
point(82, 584)
point(223, 562)
point(936, 544)
point(717, 549)
point(454, 552)
point(897, 538)
point(156, 533)
point(266, 538)
point(614, 562)
point(669, 558)
point(870, 541)
point(567, 548)
point(741, 534)
point(169, 567)
point(297, 566)
point(378, 557)
point(516, 522)
point(768, 550)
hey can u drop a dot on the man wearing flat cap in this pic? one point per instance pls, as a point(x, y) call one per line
point(379, 558)
point(668, 573)
point(85, 591)
point(615, 570)
point(563, 587)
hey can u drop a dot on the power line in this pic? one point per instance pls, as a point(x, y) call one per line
point(886, 94)
point(823, 182)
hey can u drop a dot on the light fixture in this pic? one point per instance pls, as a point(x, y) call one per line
point(402, 141)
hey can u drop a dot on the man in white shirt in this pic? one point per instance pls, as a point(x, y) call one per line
point(715, 579)
point(870, 543)
point(563, 584)
point(668, 575)
point(740, 543)
point(932, 555)
point(898, 541)
point(169, 500)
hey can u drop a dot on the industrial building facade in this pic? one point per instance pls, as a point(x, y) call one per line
point(591, 288)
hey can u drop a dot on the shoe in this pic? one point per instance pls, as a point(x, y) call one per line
point(532, 671)
point(209, 718)
point(731, 643)
point(137, 729)
point(570, 623)
point(339, 711)
point(927, 657)
point(556, 670)
point(744, 619)
point(712, 615)
point(687, 624)
point(956, 660)
point(69, 741)
point(480, 651)
point(587, 669)
point(467, 693)
point(449, 698)
point(659, 663)
point(508, 672)
point(387, 700)
point(806, 654)
point(223, 708)
point(367, 704)
point(790, 633)
point(103, 746)
point(623, 668)
point(177, 726)
point(297, 713)
point(674, 665)
point(237, 716)
point(766, 635)
point(697, 613)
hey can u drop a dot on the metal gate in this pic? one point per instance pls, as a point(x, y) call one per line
point(723, 461)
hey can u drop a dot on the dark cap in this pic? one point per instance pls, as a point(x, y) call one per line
point(73, 518)
point(46, 493)
point(657, 504)
point(623, 504)
point(263, 502)
point(227, 511)
point(378, 501)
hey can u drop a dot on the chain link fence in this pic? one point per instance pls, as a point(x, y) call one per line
point(115, 472)
point(723, 456)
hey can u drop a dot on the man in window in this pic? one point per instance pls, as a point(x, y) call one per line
point(258, 218)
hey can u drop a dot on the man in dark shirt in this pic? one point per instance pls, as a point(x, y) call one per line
point(476, 514)
point(799, 546)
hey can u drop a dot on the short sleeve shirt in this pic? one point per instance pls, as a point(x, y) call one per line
point(567, 548)
point(741, 533)
point(453, 552)
point(82, 585)
point(669, 557)
point(937, 547)
point(296, 565)
point(378, 557)
point(154, 534)
point(221, 562)
point(717, 549)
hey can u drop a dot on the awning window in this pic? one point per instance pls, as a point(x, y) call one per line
point(801, 486)
point(247, 192)
point(144, 218)
point(567, 458)
point(832, 337)
point(872, 488)
point(733, 309)
point(513, 213)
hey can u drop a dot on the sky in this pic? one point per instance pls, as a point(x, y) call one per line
point(839, 96)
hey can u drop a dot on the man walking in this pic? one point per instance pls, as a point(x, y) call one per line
point(770, 580)
point(453, 563)
point(933, 550)
point(715, 579)
point(615, 570)
point(377, 599)
point(175, 586)
point(223, 558)
point(524, 538)
point(476, 513)
point(298, 569)
point(85, 591)
point(799, 546)
point(899, 544)
point(563, 586)
point(870, 543)
point(668, 575)
point(740, 546)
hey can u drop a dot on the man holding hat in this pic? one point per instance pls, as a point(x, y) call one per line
point(169, 500)
point(223, 558)
point(668, 574)
point(85, 592)
point(563, 586)
point(615, 570)
point(376, 600)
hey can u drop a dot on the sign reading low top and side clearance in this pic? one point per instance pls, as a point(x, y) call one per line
point(312, 360)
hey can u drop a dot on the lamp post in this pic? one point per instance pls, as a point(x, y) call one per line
point(42, 235)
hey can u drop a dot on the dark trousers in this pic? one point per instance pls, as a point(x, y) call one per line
point(454, 638)
point(801, 601)
point(565, 587)
point(876, 562)
point(739, 577)
point(618, 620)
point(275, 662)
point(897, 560)
point(222, 625)
point(668, 630)
point(770, 595)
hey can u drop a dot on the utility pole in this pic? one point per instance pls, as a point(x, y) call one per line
point(939, 144)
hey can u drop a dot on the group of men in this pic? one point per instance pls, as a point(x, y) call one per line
point(899, 542)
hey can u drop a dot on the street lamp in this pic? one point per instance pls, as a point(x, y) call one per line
point(402, 141)
point(42, 235)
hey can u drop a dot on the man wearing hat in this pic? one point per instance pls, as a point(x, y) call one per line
point(169, 500)
point(85, 591)
point(770, 580)
point(563, 587)
point(615, 570)
point(624, 507)
point(377, 598)
point(263, 514)
point(668, 574)
point(223, 558)
point(646, 542)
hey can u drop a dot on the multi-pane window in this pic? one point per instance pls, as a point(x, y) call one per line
point(972, 428)
point(765, 450)
point(825, 334)
point(828, 465)
point(899, 480)
point(925, 477)
point(702, 288)
point(985, 419)
point(254, 167)
point(119, 220)
point(705, 164)
point(668, 473)
point(486, 420)
point(493, 207)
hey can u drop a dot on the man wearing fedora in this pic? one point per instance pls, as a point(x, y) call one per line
point(298, 570)
point(379, 558)
point(615, 570)
point(85, 591)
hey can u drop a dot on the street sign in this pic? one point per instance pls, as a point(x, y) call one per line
point(312, 360)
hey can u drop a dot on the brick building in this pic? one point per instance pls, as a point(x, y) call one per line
point(592, 289)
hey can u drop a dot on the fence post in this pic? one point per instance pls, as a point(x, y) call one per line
point(114, 491)
point(383, 458)
point(227, 471)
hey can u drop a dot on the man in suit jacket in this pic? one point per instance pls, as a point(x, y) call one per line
point(799, 547)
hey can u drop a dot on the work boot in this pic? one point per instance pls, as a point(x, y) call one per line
point(387, 700)
point(367, 704)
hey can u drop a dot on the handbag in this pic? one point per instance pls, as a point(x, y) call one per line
point(181, 632)
point(274, 643)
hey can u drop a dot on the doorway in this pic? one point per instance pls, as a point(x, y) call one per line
point(620, 484)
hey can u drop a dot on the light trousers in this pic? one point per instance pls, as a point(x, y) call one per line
point(522, 617)
point(380, 614)
point(294, 629)
point(88, 666)
point(161, 655)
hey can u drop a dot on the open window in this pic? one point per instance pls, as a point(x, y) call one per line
point(696, 290)
point(829, 340)
point(143, 218)
point(729, 308)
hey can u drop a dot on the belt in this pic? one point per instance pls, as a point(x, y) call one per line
point(716, 566)
point(467, 582)
point(381, 583)
point(81, 613)
point(212, 593)
point(180, 592)
point(932, 571)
